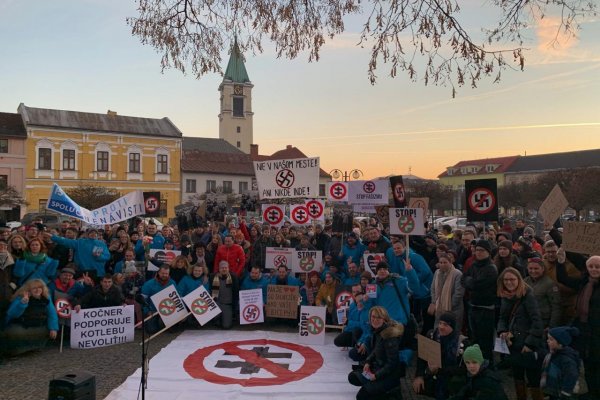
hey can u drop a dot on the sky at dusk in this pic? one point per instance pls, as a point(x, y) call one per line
point(80, 55)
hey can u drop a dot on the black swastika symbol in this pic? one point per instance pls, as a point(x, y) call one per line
point(247, 368)
point(285, 178)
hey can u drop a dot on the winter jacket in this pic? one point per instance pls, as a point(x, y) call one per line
point(26, 270)
point(158, 243)
point(383, 359)
point(387, 296)
point(188, 284)
point(547, 295)
point(560, 372)
point(260, 283)
point(150, 288)
point(258, 252)
point(17, 310)
point(355, 253)
point(521, 317)
point(234, 255)
point(418, 263)
point(512, 260)
point(98, 298)
point(359, 319)
point(290, 281)
point(84, 253)
point(326, 296)
point(480, 281)
point(486, 385)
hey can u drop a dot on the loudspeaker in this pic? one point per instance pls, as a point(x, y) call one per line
point(76, 386)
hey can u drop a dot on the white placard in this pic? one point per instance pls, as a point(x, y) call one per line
point(169, 305)
point(166, 256)
point(304, 261)
point(284, 179)
point(276, 256)
point(202, 306)
point(407, 221)
point(370, 261)
point(273, 214)
point(500, 346)
point(251, 307)
point(315, 208)
point(337, 191)
point(101, 327)
point(369, 192)
point(299, 214)
point(312, 325)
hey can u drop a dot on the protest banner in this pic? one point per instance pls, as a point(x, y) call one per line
point(304, 261)
point(316, 209)
point(201, 304)
point(420, 202)
point(337, 191)
point(553, 206)
point(169, 305)
point(398, 191)
point(251, 307)
point(407, 221)
point(282, 301)
point(101, 327)
point(343, 298)
point(299, 214)
point(152, 204)
point(162, 257)
point(278, 256)
point(273, 214)
point(312, 325)
point(128, 206)
point(284, 179)
point(581, 237)
point(370, 261)
point(429, 350)
point(368, 192)
point(482, 200)
point(383, 215)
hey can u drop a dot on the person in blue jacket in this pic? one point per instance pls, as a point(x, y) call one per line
point(30, 320)
point(357, 329)
point(396, 256)
point(392, 290)
point(256, 280)
point(90, 253)
point(283, 277)
point(158, 241)
point(353, 248)
point(149, 289)
point(35, 264)
point(199, 276)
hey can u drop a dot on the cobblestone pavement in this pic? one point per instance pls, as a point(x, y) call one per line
point(27, 376)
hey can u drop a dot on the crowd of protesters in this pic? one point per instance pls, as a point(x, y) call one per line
point(466, 289)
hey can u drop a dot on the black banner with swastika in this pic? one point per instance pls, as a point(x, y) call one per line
point(482, 200)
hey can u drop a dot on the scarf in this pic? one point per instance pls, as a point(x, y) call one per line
point(63, 288)
point(5, 260)
point(217, 283)
point(583, 302)
point(444, 286)
point(36, 259)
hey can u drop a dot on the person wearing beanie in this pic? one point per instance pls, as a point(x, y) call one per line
point(482, 383)
point(433, 380)
point(561, 367)
point(506, 258)
point(480, 284)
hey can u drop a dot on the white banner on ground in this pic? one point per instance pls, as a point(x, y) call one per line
point(337, 191)
point(226, 366)
point(251, 307)
point(101, 327)
point(407, 221)
point(305, 261)
point(284, 179)
point(169, 305)
point(273, 214)
point(369, 192)
point(202, 305)
point(166, 256)
point(276, 256)
point(312, 325)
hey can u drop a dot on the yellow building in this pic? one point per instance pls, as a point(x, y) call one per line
point(124, 153)
point(488, 168)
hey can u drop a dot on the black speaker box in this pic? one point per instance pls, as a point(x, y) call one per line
point(80, 385)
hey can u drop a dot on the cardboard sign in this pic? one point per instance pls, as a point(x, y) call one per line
point(201, 304)
point(169, 305)
point(273, 214)
point(282, 301)
point(419, 202)
point(383, 215)
point(284, 179)
point(304, 261)
point(429, 350)
point(251, 307)
point(370, 261)
point(407, 221)
point(101, 327)
point(368, 192)
point(312, 325)
point(152, 204)
point(482, 200)
point(337, 191)
point(165, 256)
point(398, 191)
point(581, 237)
point(277, 256)
point(553, 207)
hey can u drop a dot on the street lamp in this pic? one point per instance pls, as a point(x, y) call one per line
point(346, 175)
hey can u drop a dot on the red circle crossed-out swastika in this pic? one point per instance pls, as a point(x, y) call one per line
point(63, 308)
point(279, 261)
point(251, 313)
point(199, 306)
point(194, 363)
point(285, 178)
point(166, 307)
point(369, 186)
point(151, 204)
point(482, 200)
point(338, 191)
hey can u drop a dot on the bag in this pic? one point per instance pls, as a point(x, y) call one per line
point(581, 386)
point(408, 339)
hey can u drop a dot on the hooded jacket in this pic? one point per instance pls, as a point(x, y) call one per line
point(385, 342)
point(486, 385)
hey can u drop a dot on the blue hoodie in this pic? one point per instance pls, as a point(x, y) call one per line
point(418, 263)
point(84, 253)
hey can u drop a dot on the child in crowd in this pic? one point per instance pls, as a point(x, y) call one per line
point(560, 371)
point(482, 382)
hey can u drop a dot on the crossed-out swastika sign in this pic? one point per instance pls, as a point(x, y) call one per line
point(279, 261)
point(482, 200)
point(251, 313)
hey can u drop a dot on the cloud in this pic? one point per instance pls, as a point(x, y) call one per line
point(552, 37)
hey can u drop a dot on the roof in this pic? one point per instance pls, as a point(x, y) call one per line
point(503, 164)
point(109, 122)
point(210, 145)
point(236, 71)
point(554, 161)
point(12, 125)
point(290, 152)
point(217, 163)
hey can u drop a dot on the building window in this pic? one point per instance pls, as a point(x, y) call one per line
point(227, 186)
point(69, 160)
point(243, 187)
point(44, 158)
point(322, 190)
point(42, 204)
point(3, 182)
point(190, 186)
point(163, 208)
point(102, 161)
point(211, 186)
point(4, 144)
point(162, 165)
point(239, 144)
point(238, 106)
point(239, 129)
point(134, 162)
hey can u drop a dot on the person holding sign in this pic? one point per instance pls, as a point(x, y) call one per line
point(31, 319)
point(357, 329)
point(149, 289)
point(225, 291)
point(310, 289)
point(326, 295)
point(381, 372)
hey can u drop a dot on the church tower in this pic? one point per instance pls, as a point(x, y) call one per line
point(235, 116)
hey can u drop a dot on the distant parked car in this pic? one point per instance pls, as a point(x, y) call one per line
point(51, 220)
point(456, 222)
